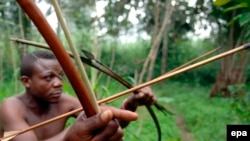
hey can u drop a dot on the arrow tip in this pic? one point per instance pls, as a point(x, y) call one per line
point(247, 46)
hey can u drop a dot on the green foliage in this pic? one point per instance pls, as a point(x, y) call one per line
point(244, 18)
point(243, 5)
point(240, 102)
point(128, 57)
point(187, 50)
point(70, 121)
point(9, 88)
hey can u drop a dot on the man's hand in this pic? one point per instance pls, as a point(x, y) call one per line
point(101, 127)
point(144, 97)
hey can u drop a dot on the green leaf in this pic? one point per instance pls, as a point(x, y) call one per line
point(244, 19)
point(233, 20)
point(241, 5)
point(247, 36)
point(221, 2)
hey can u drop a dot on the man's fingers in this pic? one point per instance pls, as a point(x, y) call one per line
point(98, 121)
point(118, 136)
point(108, 113)
point(121, 114)
point(109, 135)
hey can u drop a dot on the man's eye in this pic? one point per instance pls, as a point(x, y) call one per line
point(48, 78)
point(61, 75)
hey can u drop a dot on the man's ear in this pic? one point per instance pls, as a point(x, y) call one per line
point(25, 81)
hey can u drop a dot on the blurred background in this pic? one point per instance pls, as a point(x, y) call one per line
point(144, 39)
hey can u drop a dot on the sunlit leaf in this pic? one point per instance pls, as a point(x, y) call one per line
point(221, 2)
point(241, 5)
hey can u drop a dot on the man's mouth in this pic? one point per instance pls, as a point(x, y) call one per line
point(56, 94)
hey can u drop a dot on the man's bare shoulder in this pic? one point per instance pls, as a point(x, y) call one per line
point(67, 97)
point(13, 101)
point(12, 105)
point(70, 101)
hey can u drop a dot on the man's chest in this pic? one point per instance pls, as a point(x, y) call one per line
point(47, 130)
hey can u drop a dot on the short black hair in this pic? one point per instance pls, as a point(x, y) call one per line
point(27, 62)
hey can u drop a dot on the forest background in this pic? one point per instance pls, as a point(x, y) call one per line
point(141, 40)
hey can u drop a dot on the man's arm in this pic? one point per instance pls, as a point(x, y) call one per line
point(1, 128)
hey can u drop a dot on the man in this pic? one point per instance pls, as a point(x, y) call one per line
point(41, 75)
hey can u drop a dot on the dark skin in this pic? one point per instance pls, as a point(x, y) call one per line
point(43, 99)
point(101, 127)
point(1, 129)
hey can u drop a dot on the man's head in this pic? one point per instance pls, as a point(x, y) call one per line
point(30, 59)
point(41, 75)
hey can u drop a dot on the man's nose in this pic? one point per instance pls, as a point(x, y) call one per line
point(58, 81)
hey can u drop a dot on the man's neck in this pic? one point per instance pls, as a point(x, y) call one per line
point(35, 104)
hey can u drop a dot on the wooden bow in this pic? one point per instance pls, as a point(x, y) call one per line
point(82, 91)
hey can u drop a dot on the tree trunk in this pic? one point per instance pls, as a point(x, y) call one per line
point(22, 49)
point(156, 41)
point(156, 30)
point(112, 61)
point(164, 58)
point(232, 67)
point(14, 66)
point(96, 52)
point(1, 65)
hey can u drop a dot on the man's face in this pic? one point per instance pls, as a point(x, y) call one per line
point(46, 80)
